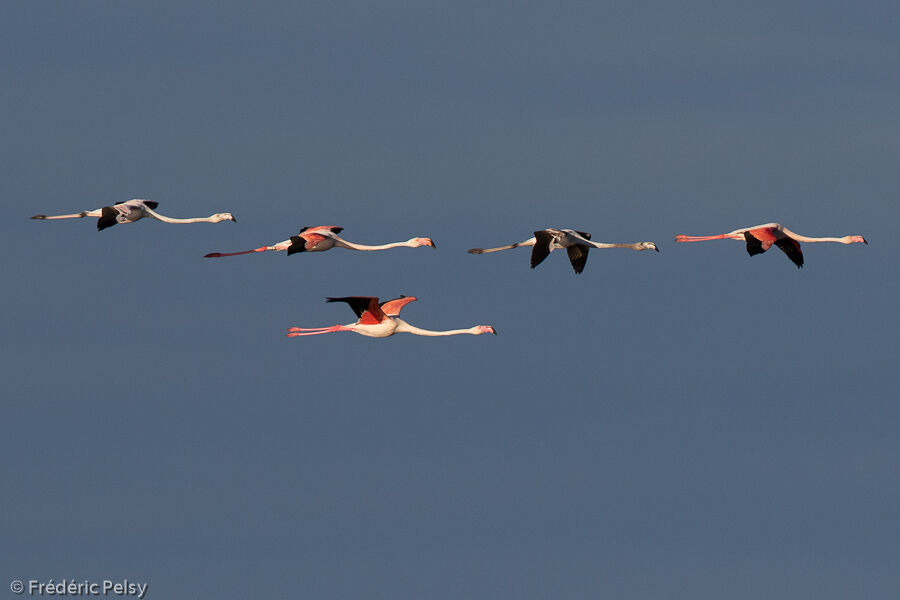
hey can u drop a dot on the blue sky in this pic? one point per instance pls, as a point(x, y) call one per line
point(693, 423)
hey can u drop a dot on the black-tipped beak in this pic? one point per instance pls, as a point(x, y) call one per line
point(233, 218)
point(864, 239)
point(657, 249)
point(494, 330)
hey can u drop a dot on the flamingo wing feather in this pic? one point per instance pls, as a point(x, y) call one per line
point(304, 241)
point(760, 239)
point(541, 249)
point(364, 307)
point(393, 307)
point(578, 256)
point(791, 247)
point(754, 244)
point(108, 217)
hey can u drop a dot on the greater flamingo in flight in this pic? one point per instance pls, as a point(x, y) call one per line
point(321, 238)
point(133, 210)
point(576, 243)
point(761, 237)
point(382, 320)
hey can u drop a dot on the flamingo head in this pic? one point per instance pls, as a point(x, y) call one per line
point(854, 239)
point(648, 246)
point(219, 217)
point(422, 242)
point(485, 329)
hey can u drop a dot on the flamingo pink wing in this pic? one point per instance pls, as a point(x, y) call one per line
point(393, 307)
point(311, 240)
point(372, 315)
point(766, 236)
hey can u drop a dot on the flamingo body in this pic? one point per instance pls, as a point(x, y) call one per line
point(314, 239)
point(322, 238)
point(130, 211)
point(381, 320)
point(576, 244)
point(760, 238)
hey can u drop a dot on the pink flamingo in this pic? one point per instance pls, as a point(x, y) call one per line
point(134, 210)
point(321, 238)
point(382, 320)
point(761, 237)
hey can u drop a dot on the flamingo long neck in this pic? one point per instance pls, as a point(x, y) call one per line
point(803, 238)
point(634, 246)
point(403, 326)
point(342, 243)
point(151, 213)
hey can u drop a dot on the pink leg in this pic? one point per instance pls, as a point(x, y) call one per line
point(300, 331)
point(220, 254)
point(699, 238)
point(305, 334)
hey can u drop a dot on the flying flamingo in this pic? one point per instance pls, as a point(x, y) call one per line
point(761, 237)
point(134, 210)
point(321, 238)
point(576, 243)
point(381, 320)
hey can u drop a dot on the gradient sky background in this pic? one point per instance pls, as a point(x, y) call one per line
point(688, 424)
